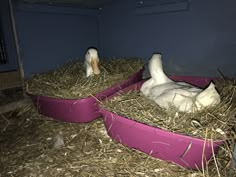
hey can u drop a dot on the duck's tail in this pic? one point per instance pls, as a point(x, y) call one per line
point(156, 70)
point(208, 97)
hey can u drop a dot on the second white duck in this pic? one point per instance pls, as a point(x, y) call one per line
point(166, 92)
point(91, 62)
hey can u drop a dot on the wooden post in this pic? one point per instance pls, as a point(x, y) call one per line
point(20, 63)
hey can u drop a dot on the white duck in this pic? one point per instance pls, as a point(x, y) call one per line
point(91, 62)
point(166, 92)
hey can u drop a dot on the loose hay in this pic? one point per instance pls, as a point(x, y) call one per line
point(27, 146)
point(219, 121)
point(69, 81)
point(26, 149)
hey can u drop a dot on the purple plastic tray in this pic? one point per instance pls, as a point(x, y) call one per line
point(79, 110)
point(182, 150)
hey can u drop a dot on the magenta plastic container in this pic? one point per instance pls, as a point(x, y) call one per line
point(79, 110)
point(182, 150)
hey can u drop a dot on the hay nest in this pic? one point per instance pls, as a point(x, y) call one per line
point(69, 81)
point(28, 148)
point(218, 122)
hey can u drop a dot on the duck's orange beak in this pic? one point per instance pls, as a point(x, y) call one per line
point(94, 64)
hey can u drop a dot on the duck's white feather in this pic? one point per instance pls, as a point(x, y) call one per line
point(185, 97)
point(156, 70)
point(91, 62)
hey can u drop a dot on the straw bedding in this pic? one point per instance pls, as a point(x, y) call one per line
point(69, 81)
point(217, 121)
point(27, 149)
point(29, 141)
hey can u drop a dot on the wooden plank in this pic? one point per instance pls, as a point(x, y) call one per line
point(14, 105)
point(10, 79)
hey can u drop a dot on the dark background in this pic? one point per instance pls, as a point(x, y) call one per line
point(196, 37)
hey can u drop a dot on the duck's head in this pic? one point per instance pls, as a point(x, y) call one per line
point(91, 62)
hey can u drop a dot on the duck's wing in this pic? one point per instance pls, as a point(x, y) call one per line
point(179, 98)
point(146, 86)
